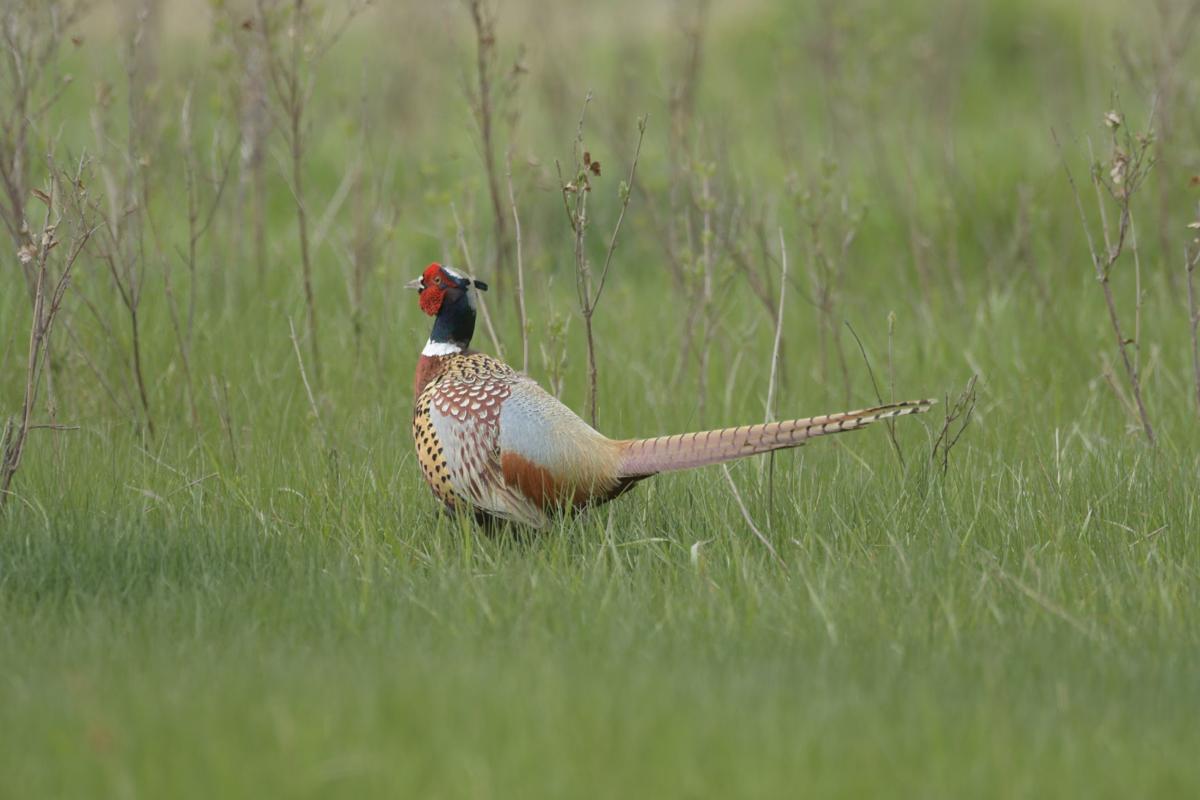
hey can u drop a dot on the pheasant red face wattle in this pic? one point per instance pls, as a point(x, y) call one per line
point(433, 289)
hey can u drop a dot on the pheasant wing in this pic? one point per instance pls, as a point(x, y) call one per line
point(465, 414)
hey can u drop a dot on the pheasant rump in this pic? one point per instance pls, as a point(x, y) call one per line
point(492, 442)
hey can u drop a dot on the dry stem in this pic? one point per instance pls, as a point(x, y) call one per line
point(947, 437)
point(48, 293)
point(575, 195)
point(1130, 164)
point(292, 80)
point(30, 35)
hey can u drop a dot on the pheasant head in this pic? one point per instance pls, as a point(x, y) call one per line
point(449, 297)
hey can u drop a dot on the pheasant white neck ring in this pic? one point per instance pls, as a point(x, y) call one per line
point(433, 348)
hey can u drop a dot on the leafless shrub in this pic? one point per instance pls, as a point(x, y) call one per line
point(575, 194)
point(1129, 162)
point(958, 417)
point(49, 257)
point(31, 33)
point(293, 44)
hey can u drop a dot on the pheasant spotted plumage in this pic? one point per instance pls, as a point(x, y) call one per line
point(492, 442)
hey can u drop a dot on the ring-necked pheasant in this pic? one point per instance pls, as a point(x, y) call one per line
point(492, 441)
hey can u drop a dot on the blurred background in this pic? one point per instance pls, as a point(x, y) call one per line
point(276, 160)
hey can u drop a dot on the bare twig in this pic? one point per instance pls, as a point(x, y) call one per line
point(575, 194)
point(291, 76)
point(624, 191)
point(30, 37)
point(1129, 163)
point(48, 294)
point(958, 412)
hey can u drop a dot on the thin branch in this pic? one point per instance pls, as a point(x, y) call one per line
point(961, 409)
point(47, 299)
point(575, 201)
point(1129, 168)
point(625, 192)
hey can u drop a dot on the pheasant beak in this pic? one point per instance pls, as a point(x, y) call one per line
point(415, 283)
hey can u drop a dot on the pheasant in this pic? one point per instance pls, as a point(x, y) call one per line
point(491, 442)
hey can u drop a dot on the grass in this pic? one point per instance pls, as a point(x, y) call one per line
point(279, 610)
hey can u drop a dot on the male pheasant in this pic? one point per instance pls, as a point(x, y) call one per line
point(492, 442)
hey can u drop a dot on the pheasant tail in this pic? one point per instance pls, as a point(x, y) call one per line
point(644, 457)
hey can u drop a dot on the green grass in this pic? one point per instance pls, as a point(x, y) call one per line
point(278, 609)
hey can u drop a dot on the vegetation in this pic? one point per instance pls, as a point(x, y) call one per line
point(221, 575)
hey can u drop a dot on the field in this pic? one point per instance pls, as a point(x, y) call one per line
point(222, 576)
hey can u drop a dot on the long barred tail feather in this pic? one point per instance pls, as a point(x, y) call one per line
point(644, 457)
